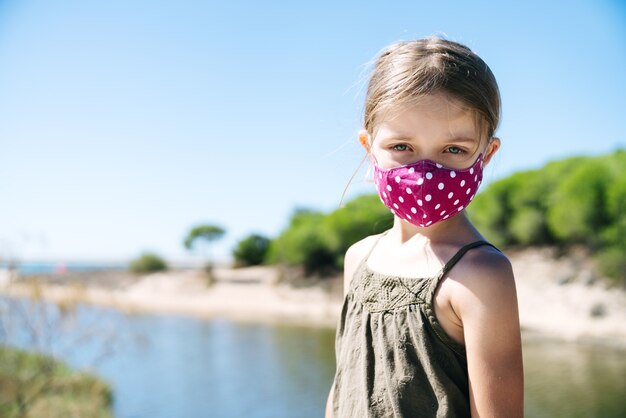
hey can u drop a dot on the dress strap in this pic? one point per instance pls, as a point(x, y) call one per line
point(364, 259)
point(459, 254)
point(432, 288)
point(374, 246)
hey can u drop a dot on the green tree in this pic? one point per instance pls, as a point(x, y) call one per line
point(577, 210)
point(304, 242)
point(318, 241)
point(528, 226)
point(615, 232)
point(490, 211)
point(612, 258)
point(200, 238)
point(251, 251)
point(362, 216)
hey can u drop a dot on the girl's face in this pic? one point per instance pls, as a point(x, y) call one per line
point(437, 129)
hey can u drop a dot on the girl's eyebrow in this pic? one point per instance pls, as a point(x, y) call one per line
point(462, 139)
point(400, 137)
point(396, 138)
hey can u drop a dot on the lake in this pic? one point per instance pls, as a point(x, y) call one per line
point(173, 366)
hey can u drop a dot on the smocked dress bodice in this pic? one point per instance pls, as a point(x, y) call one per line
point(393, 357)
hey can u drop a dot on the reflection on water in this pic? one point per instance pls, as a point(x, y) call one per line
point(217, 368)
point(573, 380)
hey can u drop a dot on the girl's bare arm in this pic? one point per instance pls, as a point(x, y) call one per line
point(329, 403)
point(486, 303)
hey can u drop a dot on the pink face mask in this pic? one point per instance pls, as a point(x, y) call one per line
point(424, 193)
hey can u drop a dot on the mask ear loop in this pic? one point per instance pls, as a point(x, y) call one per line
point(364, 140)
point(345, 190)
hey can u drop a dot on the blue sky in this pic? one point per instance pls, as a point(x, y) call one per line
point(123, 124)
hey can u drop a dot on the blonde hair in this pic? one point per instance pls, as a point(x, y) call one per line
point(408, 70)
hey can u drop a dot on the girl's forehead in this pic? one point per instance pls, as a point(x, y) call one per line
point(430, 115)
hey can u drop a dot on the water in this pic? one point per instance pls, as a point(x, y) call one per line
point(46, 267)
point(170, 366)
point(574, 380)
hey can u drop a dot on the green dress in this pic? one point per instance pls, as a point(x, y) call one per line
point(393, 357)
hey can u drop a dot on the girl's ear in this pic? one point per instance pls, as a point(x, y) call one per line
point(364, 139)
point(492, 148)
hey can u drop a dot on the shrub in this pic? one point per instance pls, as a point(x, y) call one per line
point(490, 211)
point(303, 243)
point(318, 241)
point(363, 216)
point(251, 251)
point(612, 263)
point(578, 207)
point(528, 226)
point(36, 385)
point(147, 263)
point(616, 199)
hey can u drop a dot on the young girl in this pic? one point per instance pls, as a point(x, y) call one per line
point(429, 326)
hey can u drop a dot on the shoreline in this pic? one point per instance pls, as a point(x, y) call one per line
point(559, 297)
point(249, 295)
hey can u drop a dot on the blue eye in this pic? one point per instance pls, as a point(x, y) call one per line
point(400, 147)
point(455, 150)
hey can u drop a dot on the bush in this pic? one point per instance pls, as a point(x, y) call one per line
point(251, 251)
point(578, 208)
point(612, 263)
point(303, 243)
point(528, 226)
point(37, 385)
point(147, 263)
point(363, 216)
point(490, 210)
point(318, 241)
point(612, 259)
point(616, 200)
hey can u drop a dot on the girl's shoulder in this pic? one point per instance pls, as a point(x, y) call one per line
point(476, 294)
point(480, 264)
point(361, 248)
point(355, 253)
point(482, 277)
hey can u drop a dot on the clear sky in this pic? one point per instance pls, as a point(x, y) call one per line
point(125, 123)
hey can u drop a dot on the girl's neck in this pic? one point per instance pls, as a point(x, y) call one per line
point(456, 230)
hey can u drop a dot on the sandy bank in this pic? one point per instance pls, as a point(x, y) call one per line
point(244, 294)
point(565, 297)
point(558, 296)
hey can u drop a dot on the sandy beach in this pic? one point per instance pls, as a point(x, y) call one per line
point(560, 297)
